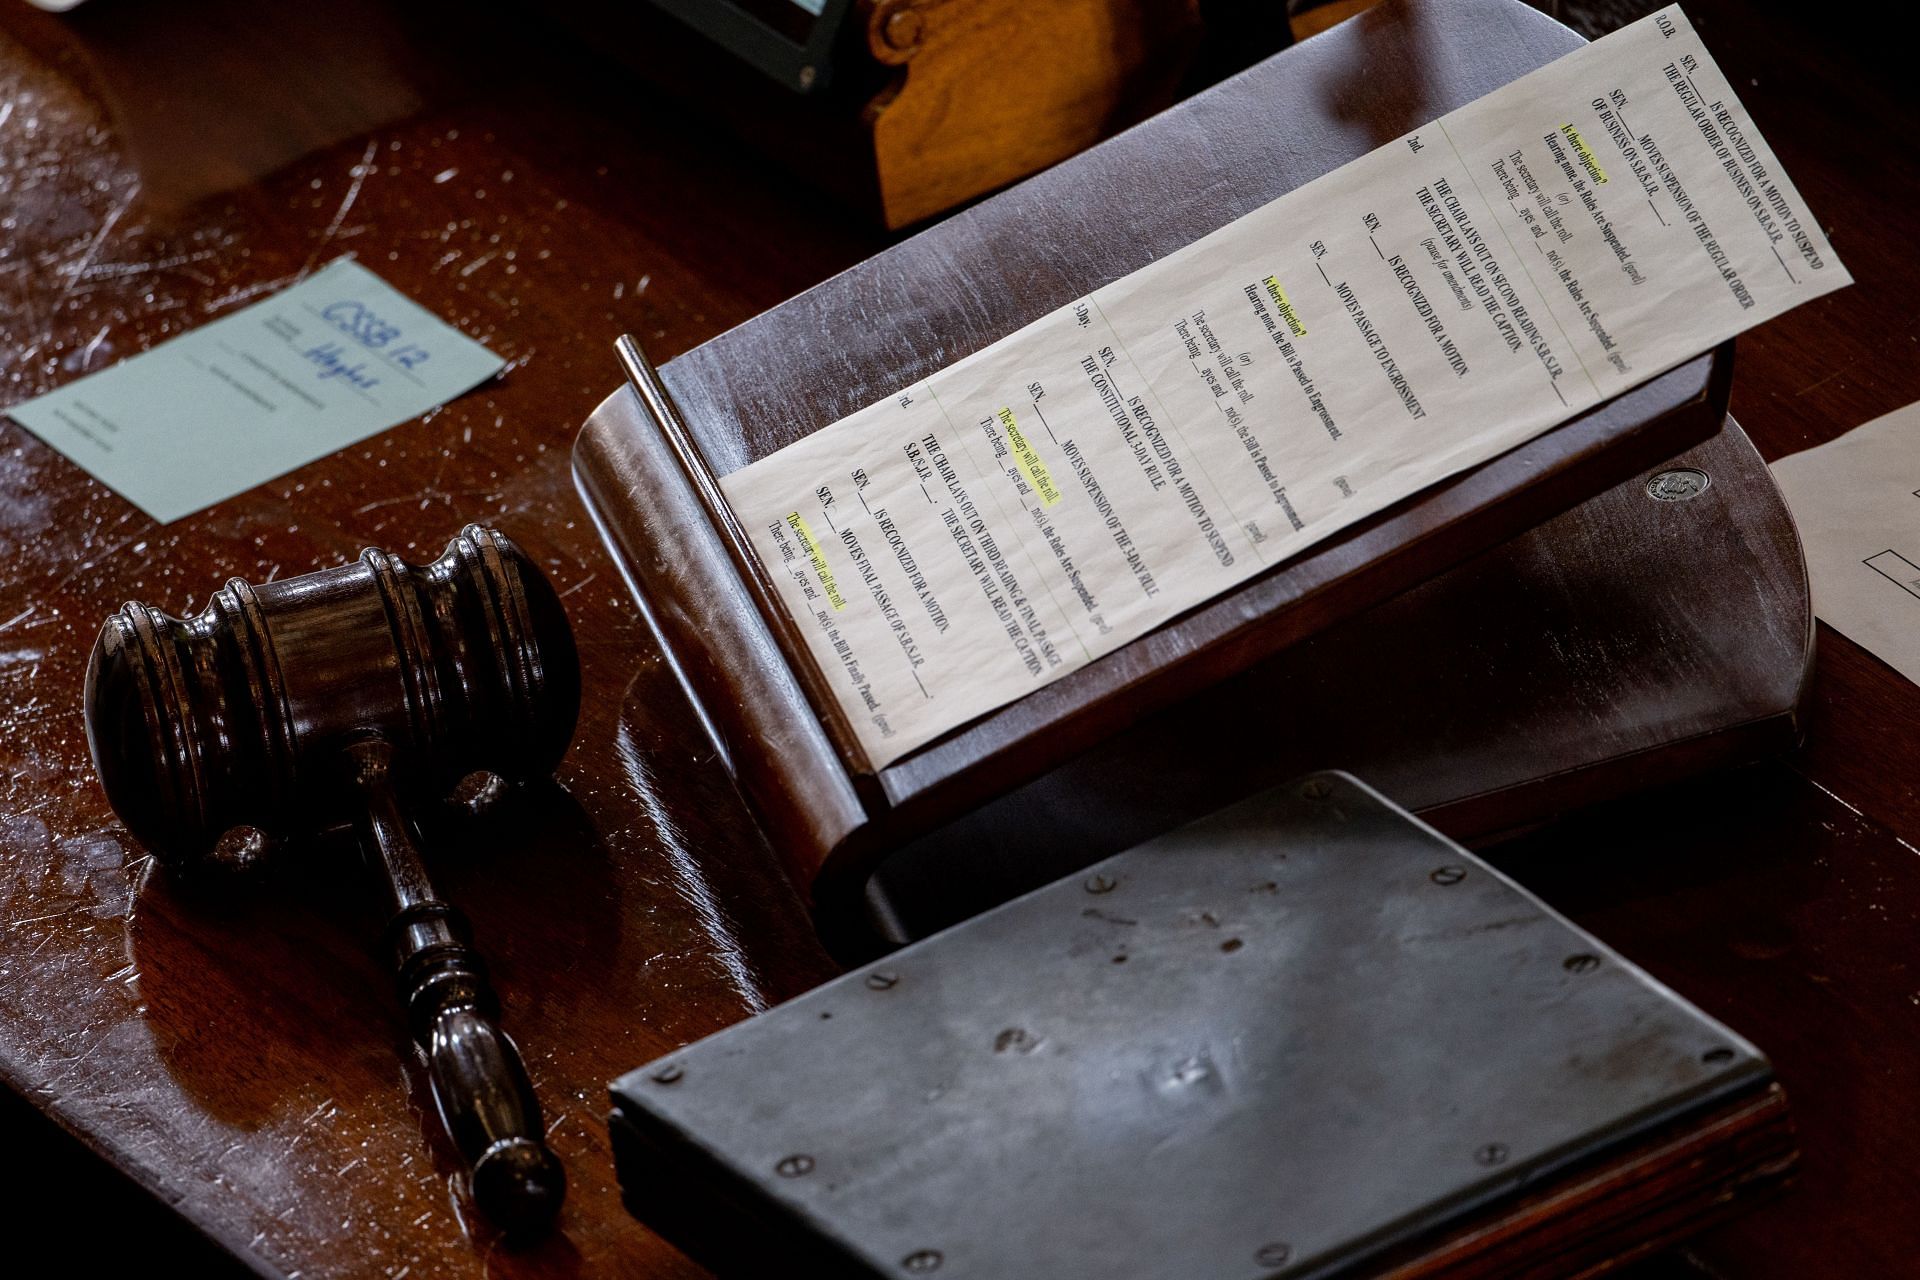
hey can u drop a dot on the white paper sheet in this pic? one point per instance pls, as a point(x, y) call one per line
point(1416, 312)
point(1856, 501)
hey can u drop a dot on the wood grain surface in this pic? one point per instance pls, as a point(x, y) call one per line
point(238, 1058)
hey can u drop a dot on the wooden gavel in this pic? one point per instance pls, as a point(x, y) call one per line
point(348, 695)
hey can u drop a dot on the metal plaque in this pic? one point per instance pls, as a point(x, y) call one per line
point(1273, 1043)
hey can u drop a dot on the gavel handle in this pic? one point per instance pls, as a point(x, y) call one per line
point(479, 1083)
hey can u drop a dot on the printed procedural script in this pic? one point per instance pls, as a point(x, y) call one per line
point(1420, 310)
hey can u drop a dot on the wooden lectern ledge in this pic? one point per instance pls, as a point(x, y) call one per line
point(650, 470)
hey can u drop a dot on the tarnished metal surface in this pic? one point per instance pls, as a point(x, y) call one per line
point(1273, 1042)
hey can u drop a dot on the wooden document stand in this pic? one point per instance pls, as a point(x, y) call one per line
point(1631, 642)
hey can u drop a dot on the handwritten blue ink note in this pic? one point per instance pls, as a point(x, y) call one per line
point(330, 361)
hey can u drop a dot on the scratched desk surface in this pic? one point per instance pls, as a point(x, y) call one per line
point(238, 1057)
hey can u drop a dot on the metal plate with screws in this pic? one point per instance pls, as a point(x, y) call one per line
point(1273, 1043)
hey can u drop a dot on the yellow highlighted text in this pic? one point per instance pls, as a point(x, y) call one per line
point(821, 569)
point(1581, 149)
point(1031, 465)
point(1284, 306)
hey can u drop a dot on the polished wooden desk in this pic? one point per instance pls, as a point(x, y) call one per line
point(236, 1058)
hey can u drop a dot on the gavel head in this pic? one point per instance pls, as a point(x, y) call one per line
point(220, 734)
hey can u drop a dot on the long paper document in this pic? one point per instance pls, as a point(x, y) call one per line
point(1420, 310)
point(1857, 503)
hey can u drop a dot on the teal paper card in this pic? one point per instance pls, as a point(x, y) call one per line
point(332, 360)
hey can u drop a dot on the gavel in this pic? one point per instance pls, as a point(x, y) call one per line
point(351, 696)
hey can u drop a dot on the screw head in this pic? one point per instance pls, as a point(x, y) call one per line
point(883, 980)
point(1494, 1153)
point(1273, 1254)
point(240, 850)
point(903, 29)
point(1018, 1039)
point(1678, 484)
point(1582, 963)
point(1448, 874)
point(795, 1166)
point(807, 76)
point(921, 1261)
point(1100, 883)
point(479, 792)
point(669, 1074)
